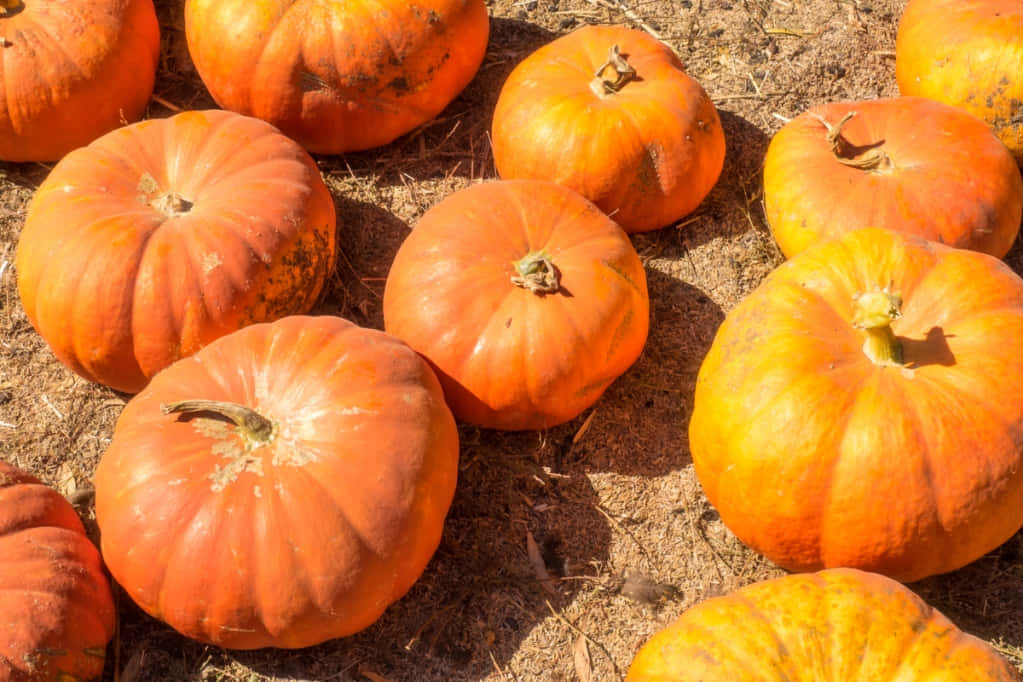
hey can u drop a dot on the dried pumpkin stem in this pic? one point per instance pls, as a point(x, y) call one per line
point(874, 313)
point(873, 159)
point(623, 74)
point(255, 426)
point(8, 7)
point(536, 272)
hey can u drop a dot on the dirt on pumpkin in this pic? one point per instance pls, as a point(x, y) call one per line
point(607, 504)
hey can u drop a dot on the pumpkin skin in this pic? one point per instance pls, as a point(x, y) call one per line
point(800, 439)
point(73, 70)
point(967, 53)
point(929, 169)
point(56, 607)
point(647, 154)
point(337, 76)
point(837, 624)
point(307, 534)
point(163, 235)
point(508, 357)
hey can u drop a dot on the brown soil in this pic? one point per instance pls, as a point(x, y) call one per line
point(618, 515)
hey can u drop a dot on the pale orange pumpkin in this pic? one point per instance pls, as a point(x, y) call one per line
point(838, 624)
point(862, 408)
point(56, 607)
point(72, 71)
point(281, 487)
point(161, 236)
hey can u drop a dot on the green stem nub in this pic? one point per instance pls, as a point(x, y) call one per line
point(623, 74)
point(874, 313)
point(536, 272)
point(253, 425)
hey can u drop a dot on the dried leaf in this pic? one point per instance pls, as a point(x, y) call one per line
point(66, 482)
point(645, 589)
point(372, 676)
point(585, 426)
point(133, 667)
point(583, 664)
point(539, 567)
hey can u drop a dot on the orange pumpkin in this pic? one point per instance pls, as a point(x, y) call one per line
point(56, 607)
point(72, 71)
point(862, 408)
point(609, 112)
point(526, 299)
point(281, 487)
point(967, 53)
point(908, 164)
point(163, 235)
point(337, 76)
point(838, 624)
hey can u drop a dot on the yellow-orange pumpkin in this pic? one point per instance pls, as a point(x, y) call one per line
point(967, 53)
point(862, 408)
point(838, 624)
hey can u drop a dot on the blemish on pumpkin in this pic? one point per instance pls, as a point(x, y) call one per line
point(240, 463)
point(210, 261)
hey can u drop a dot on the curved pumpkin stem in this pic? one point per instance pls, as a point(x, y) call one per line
point(623, 74)
point(536, 272)
point(874, 313)
point(9, 7)
point(873, 158)
point(257, 428)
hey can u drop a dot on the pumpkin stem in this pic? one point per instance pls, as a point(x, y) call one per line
point(253, 425)
point(623, 74)
point(536, 272)
point(171, 203)
point(874, 313)
point(868, 157)
point(10, 7)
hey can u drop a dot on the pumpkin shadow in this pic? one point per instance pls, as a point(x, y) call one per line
point(640, 423)
point(933, 349)
point(456, 143)
point(984, 598)
point(368, 237)
point(735, 202)
point(482, 593)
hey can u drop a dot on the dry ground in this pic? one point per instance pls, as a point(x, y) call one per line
point(618, 515)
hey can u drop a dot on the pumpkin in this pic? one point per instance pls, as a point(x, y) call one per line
point(337, 76)
point(56, 607)
point(161, 236)
point(72, 72)
point(908, 164)
point(610, 112)
point(836, 407)
point(526, 299)
point(969, 54)
point(837, 624)
point(281, 487)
